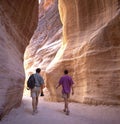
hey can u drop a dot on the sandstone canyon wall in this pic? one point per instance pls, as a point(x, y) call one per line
point(89, 49)
point(18, 20)
point(46, 40)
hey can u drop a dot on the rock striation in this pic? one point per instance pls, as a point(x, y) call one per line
point(89, 49)
point(46, 40)
point(18, 20)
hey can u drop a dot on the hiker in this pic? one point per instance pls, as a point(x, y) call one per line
point(39, 85)
point(67, 85)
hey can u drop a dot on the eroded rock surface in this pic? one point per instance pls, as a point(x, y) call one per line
point(89, 50)
point(46, 40)
point(18, 20)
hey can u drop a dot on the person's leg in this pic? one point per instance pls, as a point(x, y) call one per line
point(34, 95)
point(34, 104)
point(66, 104)
point(37, 97)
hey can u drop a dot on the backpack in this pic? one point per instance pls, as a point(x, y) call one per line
point(31, 82)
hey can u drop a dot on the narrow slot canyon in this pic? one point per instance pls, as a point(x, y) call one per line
point(81, 36)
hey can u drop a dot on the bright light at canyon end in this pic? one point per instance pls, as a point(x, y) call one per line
point(39, 1)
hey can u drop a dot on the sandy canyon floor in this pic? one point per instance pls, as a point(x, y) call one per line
point(52, 113)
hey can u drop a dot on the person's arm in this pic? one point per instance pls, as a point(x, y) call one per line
point(41, 81)
point(59, 83)
point(72, 86)
point(57, 86)
point(42, 86)
point(72, 90)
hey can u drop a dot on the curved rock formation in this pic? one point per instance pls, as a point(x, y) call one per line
point(18, 20)
point(90, 51)
point(46, 40)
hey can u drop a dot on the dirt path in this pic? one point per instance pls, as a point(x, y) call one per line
point(51, 113)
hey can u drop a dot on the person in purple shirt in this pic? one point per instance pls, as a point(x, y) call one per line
point(67, 85)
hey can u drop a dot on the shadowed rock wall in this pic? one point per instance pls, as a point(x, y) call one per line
point(18, 20)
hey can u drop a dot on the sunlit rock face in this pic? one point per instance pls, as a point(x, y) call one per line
point(46, 40)
point(18, 20)
point(90, 51)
